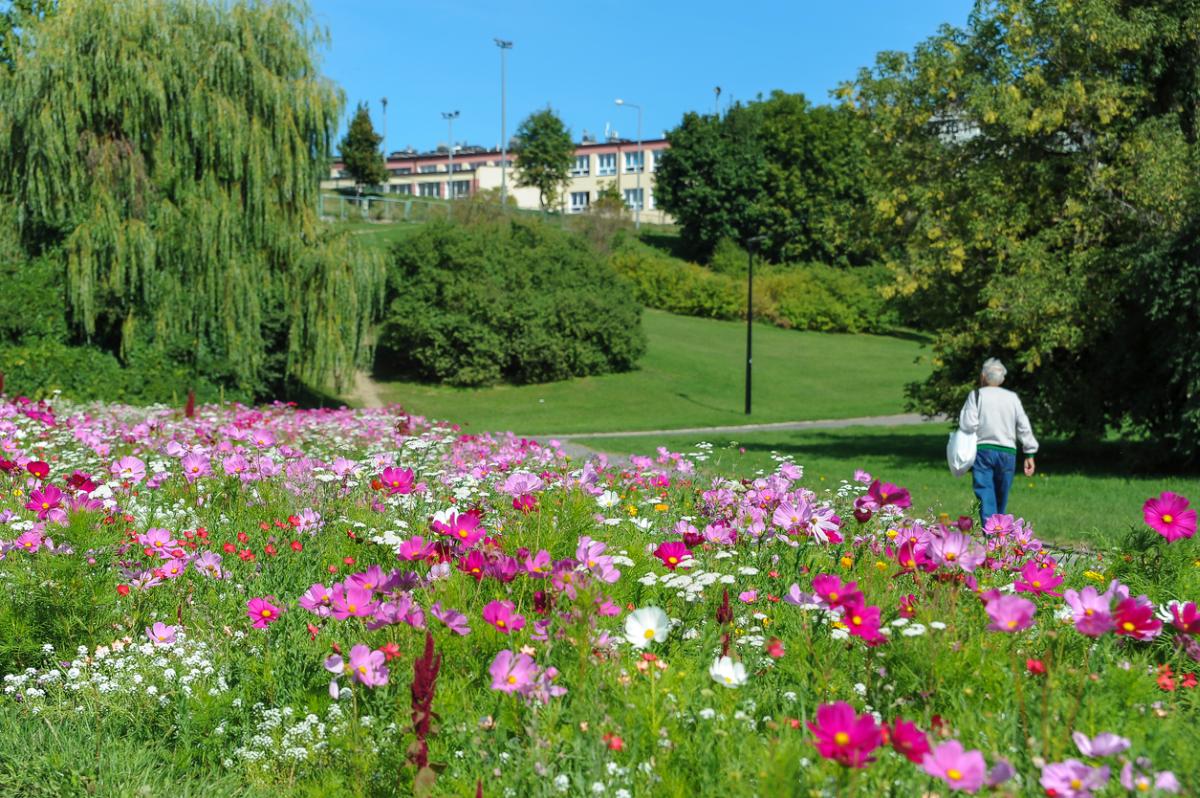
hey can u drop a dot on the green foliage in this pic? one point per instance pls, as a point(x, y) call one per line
point(808, 297)
point(177, 178)
point(545, 153)
point(780, 168)
point(1037, 173)
point(360, 150)
point(516, 300)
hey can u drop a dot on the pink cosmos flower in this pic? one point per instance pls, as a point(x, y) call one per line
point(1169, 516)
point(1185, 617)
point(862, 620)
point(907, 740)
point(397, 480)
point(44, 501)
point(1141, 781)
point(1134, 617)
point(1103, 744)
point(157, 539)
point(262, 612)
point(351, 601)
point(365, 667)
point(317, 600)
point(961, 770)
point(464, 528)
point(1038, 578)
point(843, 736)
point(415, 548)
point(1092, 610)
point(953, 549)
point(195, 466)
point(512, 672)
point(502, 615)
point(885, 493)
point(456, 621)
point(161, 634)
point(672, 553)
point(209, 563)
point(369, 579)
point(792, 516)
point(131, 469)
point(1073, 779)
point(521, 483)
point(1010, 613)
point(235, 466)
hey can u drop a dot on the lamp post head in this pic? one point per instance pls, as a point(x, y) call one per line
point(502, 44)
point(449, 114)
point(619, 101)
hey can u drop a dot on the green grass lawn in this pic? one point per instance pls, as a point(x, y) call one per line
point(692, 376)
point(1090, 493)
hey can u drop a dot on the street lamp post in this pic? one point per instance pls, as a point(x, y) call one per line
point(750, 248)
point(450, 116)
point(637, 209)
point(384, 101)
point(504, 46)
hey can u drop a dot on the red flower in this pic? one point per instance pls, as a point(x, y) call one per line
point(775, 648)
point(907, 740)
point(39, 469)
point(1189, 680)
point(614, 742)
point(297, 545)
point(1035, 667)
point(122, 590)
point(390, 651)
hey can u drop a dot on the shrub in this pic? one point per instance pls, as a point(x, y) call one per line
point(805, 297)
point(506, 299)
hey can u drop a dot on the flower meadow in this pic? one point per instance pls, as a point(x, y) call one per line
point(360, 602)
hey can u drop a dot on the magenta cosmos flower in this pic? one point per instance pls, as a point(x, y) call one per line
point(364, 666)
point(1092, 610)
point(262, 612)
point(908, 741)
point(161, 634)
point(511, 672)
point(463, 527)
point(843, 736)
point(1038, 578)
point(672, 553)
point(1010, 613)
point(44, 501)
point(1134, 617)
point(1185, 617)
point(397, 480)
point(1169, 516)
point(961, 770)
point(503, 616)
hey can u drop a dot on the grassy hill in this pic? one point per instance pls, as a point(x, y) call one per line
point(692, 376)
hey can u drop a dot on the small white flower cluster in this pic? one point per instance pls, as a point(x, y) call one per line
point(161, 672)
point(688, 585)
point(279, 737)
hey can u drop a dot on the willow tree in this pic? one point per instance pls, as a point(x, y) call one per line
point(170, 150)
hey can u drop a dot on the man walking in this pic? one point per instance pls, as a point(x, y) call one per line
point(996, 417)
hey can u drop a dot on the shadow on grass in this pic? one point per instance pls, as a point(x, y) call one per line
point(1107, 458)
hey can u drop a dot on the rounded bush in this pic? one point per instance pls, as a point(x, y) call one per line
point(496, 300)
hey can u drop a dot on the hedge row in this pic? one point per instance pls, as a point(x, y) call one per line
point(804, 297)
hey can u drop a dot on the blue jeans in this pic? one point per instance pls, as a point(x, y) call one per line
point(992, 476)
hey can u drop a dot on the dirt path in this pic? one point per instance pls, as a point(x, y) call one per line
point(366, 392)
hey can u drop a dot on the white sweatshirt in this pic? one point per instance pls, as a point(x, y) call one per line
point(995, 415)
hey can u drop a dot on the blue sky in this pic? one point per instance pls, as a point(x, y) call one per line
point(430, 56)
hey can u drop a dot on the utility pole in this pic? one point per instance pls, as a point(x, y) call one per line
point(637, 209)
point(385, 151)
point(504, 46)
point(751, 245)
point(717, 101)
point(450, 116)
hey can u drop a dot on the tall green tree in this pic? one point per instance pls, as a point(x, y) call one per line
point(16, 18)
point(1037, 176)
point(360, 150)
point(176, 180)
point(712, 178)
point(545, 154)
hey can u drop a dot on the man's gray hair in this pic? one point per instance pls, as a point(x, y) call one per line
point(993, 371)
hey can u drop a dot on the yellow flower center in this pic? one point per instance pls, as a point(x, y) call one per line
point(954, 774)
point(266, 613)
point(1168, 518)
point(1089, 613)
point(1076, 784)
point(951, 556)
point(352, 607)
point(841, 738)
point(1128, 626)
point(1037, 583)
point(1012, 624)
point(856, 620)
point(512, 679)
point(833, 595)
point(500, 623)
point(672, 560)
point(45, 505)
point(649, 633)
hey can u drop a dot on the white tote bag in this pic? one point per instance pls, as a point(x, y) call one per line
point(960, 452)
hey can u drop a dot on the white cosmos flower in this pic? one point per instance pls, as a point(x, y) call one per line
point(725, 671)
point(608, 499)
point(646, 624)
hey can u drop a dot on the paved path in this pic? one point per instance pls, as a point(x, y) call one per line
point(904, 419)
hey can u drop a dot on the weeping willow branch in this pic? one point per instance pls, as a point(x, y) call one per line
point(172, 150)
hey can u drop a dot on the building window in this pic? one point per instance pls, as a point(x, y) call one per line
point(431, 189)
point(429, 168)
point(657, 161)
point(606, 163)
point(633, 198)
point(402, 170)
point(461, 188)
point(579, 201)
point(633, 162)
point(582, 165)
point(402, 188)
